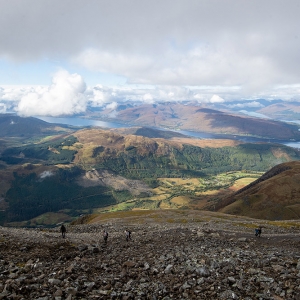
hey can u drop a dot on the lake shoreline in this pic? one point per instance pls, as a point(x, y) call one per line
point(84, 122)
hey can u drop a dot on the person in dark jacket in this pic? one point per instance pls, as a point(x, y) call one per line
point(63, 230)
point(258, 231)
point(128, 235)
point(105, 236)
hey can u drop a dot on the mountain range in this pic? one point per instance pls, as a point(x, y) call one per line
point(51, 172)
point(200, 119)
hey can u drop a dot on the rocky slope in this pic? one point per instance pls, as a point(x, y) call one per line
point(216, 259)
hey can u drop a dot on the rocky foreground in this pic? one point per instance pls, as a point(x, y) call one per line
point(171, 261)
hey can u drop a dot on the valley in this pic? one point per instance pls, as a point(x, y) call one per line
point(149, 150)
point(48, 179)
point(183, 193)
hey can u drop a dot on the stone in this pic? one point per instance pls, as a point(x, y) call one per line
point(82, 247)
point(168, 269)
point(54, 281)
point(166, 261)
point(243, 239)
point(129, 264)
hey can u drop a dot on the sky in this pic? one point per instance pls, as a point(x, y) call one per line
point(58, 57)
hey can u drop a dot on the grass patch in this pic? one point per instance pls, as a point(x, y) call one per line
point(84, 220)
point(48, 220)
point(223, 217)
point(132, 213)
point(170, 221)
point(284, 224)
point(123, 206)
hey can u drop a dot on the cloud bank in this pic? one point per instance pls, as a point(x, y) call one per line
point(69, 95)
point(65, 96)
point(211, 52)
point(250, 44)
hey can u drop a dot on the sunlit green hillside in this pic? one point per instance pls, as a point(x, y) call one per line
point(95, 169)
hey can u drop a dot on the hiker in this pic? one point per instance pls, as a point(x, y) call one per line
point(258, 231)
point(128, 235)
point(105, 236)
point(63, 231)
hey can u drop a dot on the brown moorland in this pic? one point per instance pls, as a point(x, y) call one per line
point(274, 196)
point(114, 142)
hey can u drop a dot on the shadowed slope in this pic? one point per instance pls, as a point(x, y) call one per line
point(15, 126)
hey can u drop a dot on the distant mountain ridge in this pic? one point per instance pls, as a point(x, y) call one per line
point(93, 168)
point(15, 126)
point(202, 119)
point(282, 111)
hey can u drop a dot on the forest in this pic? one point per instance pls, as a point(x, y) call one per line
point(197, 162)
point(52, 152)
point(30, 196)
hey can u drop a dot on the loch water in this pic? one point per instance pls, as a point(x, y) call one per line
point(82, 122)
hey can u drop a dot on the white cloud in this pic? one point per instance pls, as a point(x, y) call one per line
point(2, 108)
point(100, 95)
point(218, 64)
point(251, 104)
point(14, 93)
point(112, 105)
point(216, 99)
point(65, 96)
point(250, 44)
point(148, 98)
point(125, 64)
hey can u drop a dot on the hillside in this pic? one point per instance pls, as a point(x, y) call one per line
point(282, 111)
point(149, 132)
point(274, 196)
point(94, 169)
point(15, 126)
point(201, 119)
point(172, 255)
point(136, 156)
